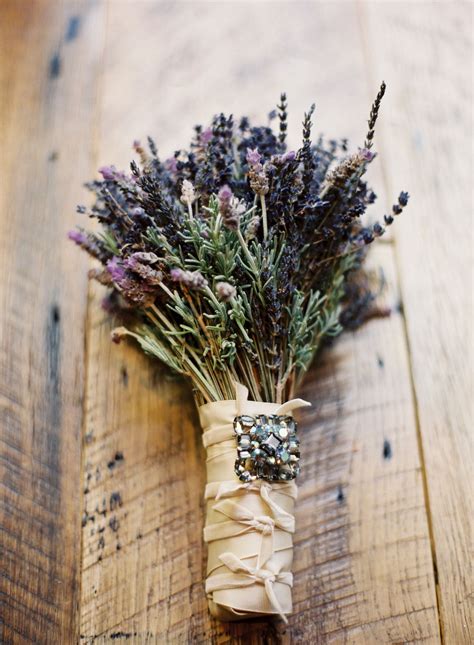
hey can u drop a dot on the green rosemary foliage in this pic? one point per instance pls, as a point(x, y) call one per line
point(237, 258)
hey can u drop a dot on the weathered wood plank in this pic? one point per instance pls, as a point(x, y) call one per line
point(425, 53)
point(363, 563)
point(362, 503)
point(48, 71)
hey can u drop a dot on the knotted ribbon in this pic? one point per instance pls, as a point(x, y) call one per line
point(249, 526)
point(242, 520)
point(244, 575)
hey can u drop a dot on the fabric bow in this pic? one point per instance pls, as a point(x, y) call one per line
point(225, 489)
point(244, 575)
point(242, 520)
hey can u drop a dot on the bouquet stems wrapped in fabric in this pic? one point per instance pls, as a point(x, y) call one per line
point(232, 262)
point(250, 517)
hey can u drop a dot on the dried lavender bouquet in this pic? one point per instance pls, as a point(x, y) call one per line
point(232, 262)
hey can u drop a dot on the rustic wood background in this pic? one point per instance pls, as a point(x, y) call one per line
point(100, 539)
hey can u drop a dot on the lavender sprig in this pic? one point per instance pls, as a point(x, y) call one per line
point(374, 113)
point(236, 258)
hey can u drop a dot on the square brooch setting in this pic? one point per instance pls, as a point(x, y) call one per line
point(267, 448)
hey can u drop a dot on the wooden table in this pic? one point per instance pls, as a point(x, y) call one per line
point(100, 540)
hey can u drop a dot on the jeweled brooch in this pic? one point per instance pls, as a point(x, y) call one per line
point(267, 448)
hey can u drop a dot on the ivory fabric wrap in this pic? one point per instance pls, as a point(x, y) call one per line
point(249, 526)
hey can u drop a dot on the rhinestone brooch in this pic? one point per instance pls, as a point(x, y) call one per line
point(267, 448)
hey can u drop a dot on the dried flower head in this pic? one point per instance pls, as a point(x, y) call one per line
point(225, 291)
point(190, 279)
point(257, 174)
point(230, 208)
point(118, 334)
point(348, 169)
point(252, 228)
point(188, 194)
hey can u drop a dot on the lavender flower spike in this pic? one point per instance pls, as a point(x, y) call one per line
point(188, 194)
point(116, 270)
point(108, 172)
point(230, 208)
point(253, 156)
point(206, 136)
point(288, 156)
point(257, 175)
point(171, 165)
point(367, 155)
point(225, 195)
point(145, 258)
point(403, 198)
point(77, 236)
point(191, 279)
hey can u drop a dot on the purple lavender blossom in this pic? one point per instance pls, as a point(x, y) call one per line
point(367, 155)
point(177, 275)
point(288, 156)
point(108, 172)
point(116, 269)
point(230, 208)
point(77, 236)
point(206, 136)
point(171, 165)
point(253, 156)
point(284, 158)
point(225, 195)
point(131, 262)
point(257, 174)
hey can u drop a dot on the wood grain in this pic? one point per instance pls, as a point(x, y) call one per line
point(382, 539)
point(426, 139)
point(48, 111)
point(363, 567)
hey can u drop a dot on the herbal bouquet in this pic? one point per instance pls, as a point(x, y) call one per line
point(232, 262)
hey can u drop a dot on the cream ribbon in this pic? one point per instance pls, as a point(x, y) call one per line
point(249, 525)
point(243, 575)
point(242, 520)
